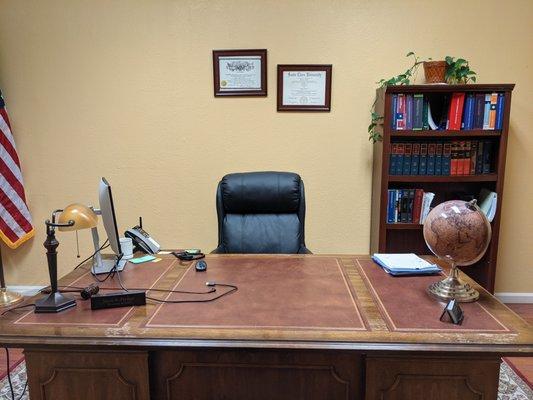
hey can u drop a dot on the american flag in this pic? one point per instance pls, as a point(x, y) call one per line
point(15, 219)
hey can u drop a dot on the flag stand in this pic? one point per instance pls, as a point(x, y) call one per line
point(7, 297)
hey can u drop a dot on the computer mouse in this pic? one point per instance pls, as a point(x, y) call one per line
point(200, 266)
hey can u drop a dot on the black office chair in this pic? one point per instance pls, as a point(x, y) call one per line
point(261, 212)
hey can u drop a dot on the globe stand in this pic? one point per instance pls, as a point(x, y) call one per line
point(453, 287)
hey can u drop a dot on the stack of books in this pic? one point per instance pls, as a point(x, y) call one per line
point(405, 264)
point(449, 158)
point(408, 205)
point(461, 111)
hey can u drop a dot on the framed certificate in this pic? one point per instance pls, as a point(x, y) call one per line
point(304, 87)
point(240, 72)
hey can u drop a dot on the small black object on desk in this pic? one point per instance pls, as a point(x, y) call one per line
point(200, 266)
point(454, 312)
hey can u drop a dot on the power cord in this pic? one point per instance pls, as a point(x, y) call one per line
point(16, 308)
point(8, 369)
point(105, 245)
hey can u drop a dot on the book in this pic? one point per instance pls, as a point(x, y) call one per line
point(455, 113)
point(499, 111)
point(431, 123)
point(390, 206)
point(425, 115)
point(410, 205)
point(409, 112)
point(399, 158)
point(404, 201)
point(397, 199)
point(438, 158)
point(460, 157)
point(468, 114)
point(418, 112)
point(479, 108)
point(492, 112)
point(454, 157)
point(487, 156)
point(487, 201)
point(408, 150)
point(392, 158)
point(415, 158)
point(400, 112)
point(431, 159)
point(473, 157)
point(427, 199)
point(466, 159)
point(486, 111)
point(479, 158)
point(422, 164)
point(417, 206)
point(446, 158)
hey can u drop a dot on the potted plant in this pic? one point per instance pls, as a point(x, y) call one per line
point(458, 71)
point(435, 71)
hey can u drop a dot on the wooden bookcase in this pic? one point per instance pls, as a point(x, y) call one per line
point(405, 237)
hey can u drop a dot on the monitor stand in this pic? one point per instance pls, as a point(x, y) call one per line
point(100, 265)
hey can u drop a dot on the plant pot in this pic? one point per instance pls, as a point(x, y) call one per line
point(435, 71)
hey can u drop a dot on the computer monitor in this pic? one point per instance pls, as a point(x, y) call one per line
point(109, 219)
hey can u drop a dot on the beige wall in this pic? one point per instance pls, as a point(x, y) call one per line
point(123, 89)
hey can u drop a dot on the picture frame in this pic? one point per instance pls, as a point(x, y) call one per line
point(240, 72)
point(304, 87)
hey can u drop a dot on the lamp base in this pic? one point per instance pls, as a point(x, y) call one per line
point(9, 298)
point(452, 287)
point(54, 303)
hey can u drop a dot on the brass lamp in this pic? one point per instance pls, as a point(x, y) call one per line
point(74, 217)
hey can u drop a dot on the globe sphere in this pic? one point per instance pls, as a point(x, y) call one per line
point(458, 231)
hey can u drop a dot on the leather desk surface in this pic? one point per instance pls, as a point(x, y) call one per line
point(296, 301)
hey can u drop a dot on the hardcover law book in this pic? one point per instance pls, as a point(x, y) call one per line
point(409, 112)
point(479, 158)
point(394, 105)
point(399, 160)
point(425, 115)
point(408, 150)
point(466, 159)
point(422, 164)
point(473, 157)
point(390, 206)
point(454, 157)
point(431, 159)
point(446, 158)
point(455, 113)
point(487, 156)
point(486, 112)
point(400, 112)
point(417, 207)
point(418, 112)
point(479, 108)
point(415, 159)
point(460, 157)
point(438, 158)
point(468, 114)
point(492, 112)
point(410, 204)
point(499, 111)
point(397, 198)
point(392, 158)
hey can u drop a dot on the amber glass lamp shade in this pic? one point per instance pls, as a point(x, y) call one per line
point(83, 217)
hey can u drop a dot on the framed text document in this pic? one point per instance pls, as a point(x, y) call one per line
point(304, 87)
point(240, 72)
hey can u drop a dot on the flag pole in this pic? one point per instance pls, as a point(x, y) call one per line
point(7, 297)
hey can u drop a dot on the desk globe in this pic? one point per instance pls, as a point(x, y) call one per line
point(459, 232)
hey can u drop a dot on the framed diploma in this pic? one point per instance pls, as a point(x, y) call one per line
point(304, 87)
point(240, 72)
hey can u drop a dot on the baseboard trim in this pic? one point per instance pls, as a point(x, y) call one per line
point(25, 290)
point(510, 297)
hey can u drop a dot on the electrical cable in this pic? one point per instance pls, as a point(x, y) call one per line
point(233, 289)
point(105, 245)
point(16, 308)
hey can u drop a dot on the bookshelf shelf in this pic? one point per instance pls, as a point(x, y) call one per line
point(443, 179)
point(446, 134)
point(408, 237)
point(402, 225)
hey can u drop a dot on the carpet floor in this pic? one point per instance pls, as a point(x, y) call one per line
point(511, 386)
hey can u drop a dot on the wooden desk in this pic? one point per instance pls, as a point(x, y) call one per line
point(299, 327)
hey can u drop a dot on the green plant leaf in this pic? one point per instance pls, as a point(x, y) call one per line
point(449, 60)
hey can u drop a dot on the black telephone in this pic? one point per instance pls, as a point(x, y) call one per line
point(142, 240)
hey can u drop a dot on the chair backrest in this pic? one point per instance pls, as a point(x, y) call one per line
point(261, 212)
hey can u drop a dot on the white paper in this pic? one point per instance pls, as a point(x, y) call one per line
point(304, 88)
point(239, 73)
point(404, 262)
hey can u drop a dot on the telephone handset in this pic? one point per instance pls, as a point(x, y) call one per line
point(142, 240)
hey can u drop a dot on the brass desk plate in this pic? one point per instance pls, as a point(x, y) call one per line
point(452, 287)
